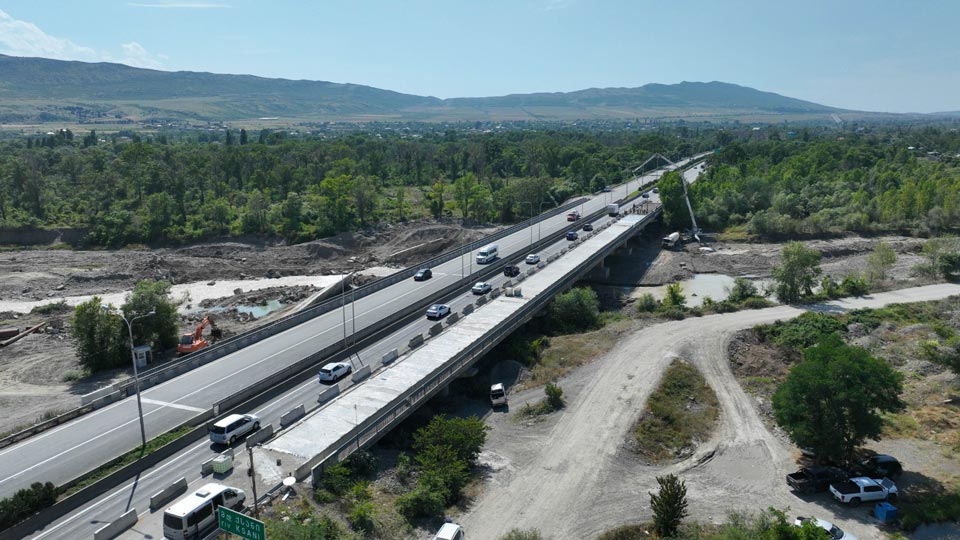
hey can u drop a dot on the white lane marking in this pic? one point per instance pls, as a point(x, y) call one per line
point(174, 405)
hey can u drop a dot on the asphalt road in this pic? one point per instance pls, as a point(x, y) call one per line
point(62, 453)
point(136, 494)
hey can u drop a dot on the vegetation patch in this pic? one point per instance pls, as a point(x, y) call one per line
point(551, 403)
point(770, 524)
point(680, 413)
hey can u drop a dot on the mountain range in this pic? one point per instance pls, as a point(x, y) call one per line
point(38, 90)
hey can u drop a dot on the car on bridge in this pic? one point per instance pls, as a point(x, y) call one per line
point(231, 428)
point(437, 311)
point(532, 258)
point(481, 287)
point(423, 274)
point(334, 371)
point(573, 216)
point(572, 235)
point(588, 227)
point(511, 270)
point(645, 195)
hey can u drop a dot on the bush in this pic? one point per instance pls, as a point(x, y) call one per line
point(421, 502)
point(554, 396)
point(854, 285)
point(756, 303)
point(337, 478)
point(646, 303)
point(361, 517)
point(574, 311)
point(26, 502)
point(803, 331)
point(669, 505)
point(742, 290)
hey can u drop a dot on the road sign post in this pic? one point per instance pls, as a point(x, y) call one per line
point(240, 524)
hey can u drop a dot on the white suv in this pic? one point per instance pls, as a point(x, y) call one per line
point(450, 531)
point(228, 430)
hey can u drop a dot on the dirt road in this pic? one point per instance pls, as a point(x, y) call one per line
point(572, 477)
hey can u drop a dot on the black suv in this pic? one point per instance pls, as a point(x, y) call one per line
point(878, 466)
point(511, 270)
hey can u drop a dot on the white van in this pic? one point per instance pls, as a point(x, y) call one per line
point(195, 516)
point(487, 254)
point(229, 429)
point(498, 396)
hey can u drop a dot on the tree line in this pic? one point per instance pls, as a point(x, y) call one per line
point(155, 189)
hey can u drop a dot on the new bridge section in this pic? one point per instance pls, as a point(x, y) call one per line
point(360, 416)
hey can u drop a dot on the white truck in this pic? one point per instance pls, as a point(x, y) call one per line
point(671, 240)
point(859, 489)
point(613, 209)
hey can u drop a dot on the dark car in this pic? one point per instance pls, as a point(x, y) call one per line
point(572, 235)
point(588, 227)
point(815, 479)
point(645, 195)
point(423, 274)
point(606, 189)
point(511, 270)
point(878, 466)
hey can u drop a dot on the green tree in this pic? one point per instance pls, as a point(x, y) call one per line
point(675, 212)
point(160, 329)
point(576, 310)
point(554, 396)
point(796, 273)
point(436, 200)
point(879, 262)
point(669, 505)
point(464, 436)
point(98, 336)
point(742, 289)
point(832, 400)
point(243, 137)
point(675, 297)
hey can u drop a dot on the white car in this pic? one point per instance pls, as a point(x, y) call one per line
point(450, 531)
point(438, 311)
point(481, 287)
point(533, 258)
point(836, 533)
point(229, 429)
point(334, 371)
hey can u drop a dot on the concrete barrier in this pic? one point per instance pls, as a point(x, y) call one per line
point(97, 394)
point(107, 399)
point(167, 494)
point(454, 317)
point(260, 435)
point(390, 356)
point(482, 300)
point(360, 374)
point(328, 394)
point(494, 293)
point(117, 526)
point(207, 467)
point(415, 341)
point(521, 277)
point(468, 309)
point(292, 416)
point(506, 284)
point(436, 329)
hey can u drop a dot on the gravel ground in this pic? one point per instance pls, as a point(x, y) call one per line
point(571, 476)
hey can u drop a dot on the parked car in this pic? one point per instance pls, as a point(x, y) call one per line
point(573, 216)
point(836, 533)
point(423, 274)
point(815, 479)
point(572, 235)
point(859, 489)
point(878, 466)
point(438, 311)
point(588, 227)
point(334, 371)
point(481, 287)
point(532, 258)
point(450, 531)
point(231, 428)
point(498, 396)
point(511, 270)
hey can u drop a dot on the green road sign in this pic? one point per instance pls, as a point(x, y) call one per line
point(241, 525)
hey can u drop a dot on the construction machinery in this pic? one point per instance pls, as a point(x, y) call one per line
point(195, 341)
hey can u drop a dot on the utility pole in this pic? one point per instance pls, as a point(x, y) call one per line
point(253, 478)
point(133, 358)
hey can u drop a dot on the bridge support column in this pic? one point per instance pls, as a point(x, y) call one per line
point(600, 272)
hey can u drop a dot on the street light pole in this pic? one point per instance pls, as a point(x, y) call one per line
point(343, 307)
point(539, 223)
point(136, 373)
point(531, 219)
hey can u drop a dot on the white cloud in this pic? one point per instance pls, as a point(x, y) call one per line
point(179, 5)
point(22, 38)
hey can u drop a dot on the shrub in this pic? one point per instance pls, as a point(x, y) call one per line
point(742, 290)
point(337, 478)
point(669, 505)
point(26, 502)
point(675, 297)
point(518, 534)
point(803, 331)
point(646, 303)
point(574, 311)
point(361, 517)
point(554, 396)
point(854, 285)
point(421, 502)
point(756, 303)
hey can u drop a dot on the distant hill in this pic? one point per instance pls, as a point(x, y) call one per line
point(44, 90)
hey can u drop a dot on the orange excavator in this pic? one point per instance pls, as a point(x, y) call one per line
point(194, 342)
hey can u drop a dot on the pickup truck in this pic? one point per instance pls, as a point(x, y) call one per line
point(815, 479)
point(859, 489)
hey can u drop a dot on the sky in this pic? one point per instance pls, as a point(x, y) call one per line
point(875, 55)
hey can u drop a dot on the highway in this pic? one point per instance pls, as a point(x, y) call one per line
point(60, 454)
point(136, 494)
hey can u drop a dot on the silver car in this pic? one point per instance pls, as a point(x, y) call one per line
point(438, 311)
point(481, 287)
point(533, 258)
